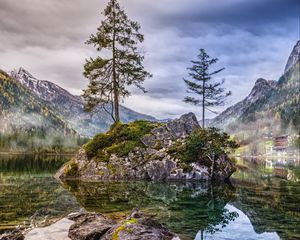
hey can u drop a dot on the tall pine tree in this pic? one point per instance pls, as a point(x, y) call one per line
point(212, 94)
point(120, 64)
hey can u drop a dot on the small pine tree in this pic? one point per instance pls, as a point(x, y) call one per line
point(212, 93)
point(121, 63)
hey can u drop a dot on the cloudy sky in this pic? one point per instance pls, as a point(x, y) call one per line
point(251, 38)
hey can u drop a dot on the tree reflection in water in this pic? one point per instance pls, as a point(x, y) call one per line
point(269, 204)
point(28, 191)
point(183, 207)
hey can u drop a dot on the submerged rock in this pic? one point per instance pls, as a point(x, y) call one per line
point(154, 161)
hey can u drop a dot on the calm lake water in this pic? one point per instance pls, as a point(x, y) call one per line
point(255, 205)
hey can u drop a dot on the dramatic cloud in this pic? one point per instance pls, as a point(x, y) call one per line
point(252, 39)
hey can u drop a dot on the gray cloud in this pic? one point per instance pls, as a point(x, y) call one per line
point(252, 39)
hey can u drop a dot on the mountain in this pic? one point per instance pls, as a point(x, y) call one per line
point(71, 107)
point(260, 89)
point(293, 58)
point(21, 110)
point(268, 102)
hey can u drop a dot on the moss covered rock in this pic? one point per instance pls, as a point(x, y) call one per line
point(136, 226)
point(120, 139)
point(141, 150)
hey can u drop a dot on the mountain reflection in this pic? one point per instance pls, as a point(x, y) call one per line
point(262, 207)
point(185, 208)
point(256, 205)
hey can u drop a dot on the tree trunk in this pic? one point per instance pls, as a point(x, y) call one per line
point(116, 104)
point(213, 168)
point(115, 80)
point(203, 105)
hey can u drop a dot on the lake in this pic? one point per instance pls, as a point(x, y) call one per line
point(256, 205)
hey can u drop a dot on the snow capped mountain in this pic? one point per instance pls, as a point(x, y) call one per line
point(71, 107)
point(21, 110)
point(46, 90)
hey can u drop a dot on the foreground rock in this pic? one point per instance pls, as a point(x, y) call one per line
point(93, 226)
point(12, 236)
point(136, 226)
point(154, 161)
point(56, 231)
point(89, 226)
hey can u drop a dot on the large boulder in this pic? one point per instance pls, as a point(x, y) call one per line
point(153, 161)
point(93, 226)
point(89, 226)
point(159, 170)
point(172, 130)
point(138, 227)
point(183, 126)
point(224, 167)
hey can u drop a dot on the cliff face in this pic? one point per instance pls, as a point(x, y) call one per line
point(261, 88)
point(154, 160)
point(268, 98)
point(293, 58)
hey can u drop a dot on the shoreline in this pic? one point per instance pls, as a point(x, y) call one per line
point(37, 153)
point(267, 157)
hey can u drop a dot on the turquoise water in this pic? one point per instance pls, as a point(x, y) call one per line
point(255, 205)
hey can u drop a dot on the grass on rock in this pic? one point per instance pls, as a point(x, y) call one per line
point(120, 140)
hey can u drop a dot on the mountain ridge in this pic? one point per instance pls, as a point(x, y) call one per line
point(293, 58)
point(267, 96)
point(261, 86)
point(71, 107)
point(22, 110)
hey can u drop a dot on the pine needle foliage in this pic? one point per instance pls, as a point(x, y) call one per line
point(200, 84)
point(120, 64)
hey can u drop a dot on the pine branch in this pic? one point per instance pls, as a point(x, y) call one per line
point(210, 94)
point(119, 36)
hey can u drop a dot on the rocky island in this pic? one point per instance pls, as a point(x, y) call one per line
point(174, 151)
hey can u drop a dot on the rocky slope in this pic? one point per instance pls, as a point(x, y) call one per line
point(20, 110)
point(71, 107)
point(267, 99)
point(235, 112)
point(293, 58)
point(155, 158)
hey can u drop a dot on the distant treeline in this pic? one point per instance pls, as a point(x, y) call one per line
point(40, 142)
